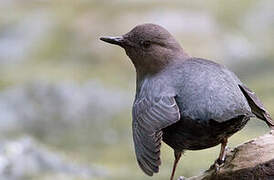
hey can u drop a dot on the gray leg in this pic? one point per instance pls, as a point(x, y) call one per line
point(221, 159)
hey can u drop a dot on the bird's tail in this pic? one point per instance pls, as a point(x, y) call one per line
point(257, 106)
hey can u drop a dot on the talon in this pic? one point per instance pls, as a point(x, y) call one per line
point(217, 167)
point(181, 178)
point(218, 164)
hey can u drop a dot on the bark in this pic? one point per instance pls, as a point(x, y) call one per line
point(253, 160)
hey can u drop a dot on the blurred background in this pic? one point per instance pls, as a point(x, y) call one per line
point(65, 97)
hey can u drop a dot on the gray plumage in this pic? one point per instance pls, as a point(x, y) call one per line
point(189, 103)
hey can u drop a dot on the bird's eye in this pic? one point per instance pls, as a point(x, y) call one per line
point(145, 44)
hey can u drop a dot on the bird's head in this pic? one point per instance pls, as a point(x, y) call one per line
point(149, 46)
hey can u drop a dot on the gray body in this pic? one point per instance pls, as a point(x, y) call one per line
point(206, 90)
point(207, 95)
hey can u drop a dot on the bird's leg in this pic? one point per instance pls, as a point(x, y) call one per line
point(177, 155)
point(220, 161)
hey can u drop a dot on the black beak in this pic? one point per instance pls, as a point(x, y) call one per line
point(113, 40)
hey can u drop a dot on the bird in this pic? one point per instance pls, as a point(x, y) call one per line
point(189, 103)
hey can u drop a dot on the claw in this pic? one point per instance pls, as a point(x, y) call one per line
point(181, 178)
point(218, 164)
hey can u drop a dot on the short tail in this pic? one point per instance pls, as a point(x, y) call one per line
point(257, 106)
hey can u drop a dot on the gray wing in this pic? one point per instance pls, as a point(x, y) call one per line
point(256, 106)
point(149, 118)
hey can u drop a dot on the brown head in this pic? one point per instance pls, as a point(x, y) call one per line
point(149, 46)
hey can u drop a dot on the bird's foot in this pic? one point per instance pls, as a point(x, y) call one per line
point(218, 164)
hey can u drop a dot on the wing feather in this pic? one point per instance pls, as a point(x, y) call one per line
point(149, 118)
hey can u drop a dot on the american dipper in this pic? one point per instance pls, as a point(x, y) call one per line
point(189, 103)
